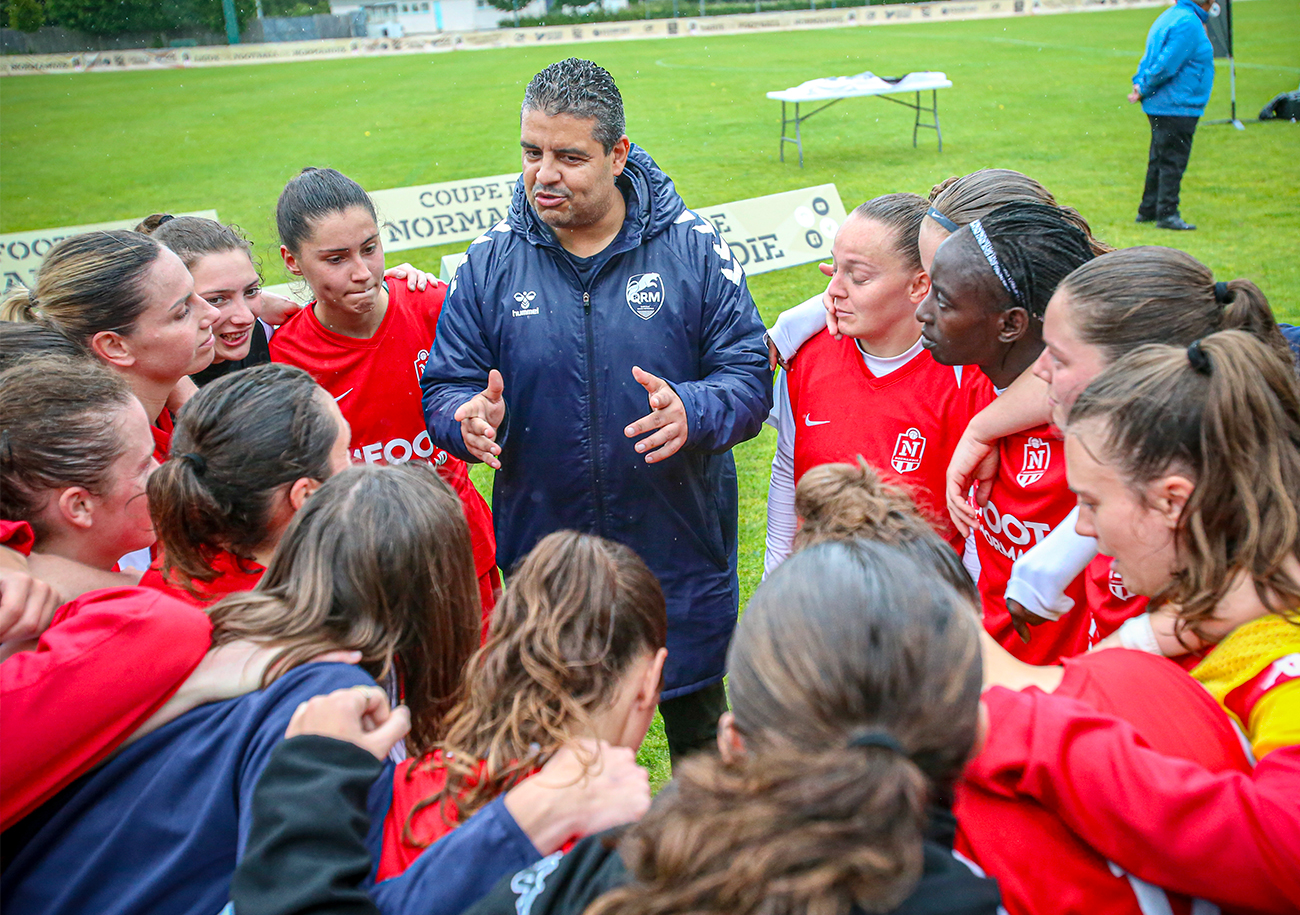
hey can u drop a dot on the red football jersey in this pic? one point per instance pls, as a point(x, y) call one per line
point(18, 536)
point(1039, 863)
point(233, 576)
point(904, 424)
point(1028, 499)
point(376, 383)
point(1108, 600)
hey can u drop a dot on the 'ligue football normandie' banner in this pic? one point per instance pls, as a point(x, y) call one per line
point(22, 252)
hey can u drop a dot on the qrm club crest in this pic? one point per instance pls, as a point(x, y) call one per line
point(645, 295)
point(908, 451)
point(1038, 454)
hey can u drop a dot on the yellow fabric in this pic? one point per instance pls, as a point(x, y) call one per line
point(1275, 719)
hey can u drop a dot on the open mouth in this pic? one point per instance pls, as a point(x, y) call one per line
point(547, 199)
point(234, 338)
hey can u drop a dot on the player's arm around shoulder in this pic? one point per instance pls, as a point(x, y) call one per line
point(730, 402)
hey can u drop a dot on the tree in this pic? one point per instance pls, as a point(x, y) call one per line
point(113, 17)
point(26, 15)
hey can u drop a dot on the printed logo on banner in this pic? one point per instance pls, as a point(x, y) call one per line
point(1038, 454)
point(908, 451)
point(1117, 587)
point(645, 295)
point(421, 359)
point(526, 307)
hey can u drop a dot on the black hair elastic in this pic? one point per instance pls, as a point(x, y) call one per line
point(877, 738)
point(1199, 358)
point(942, 220)
point(164, 219)
point(196, 461)
point(1221, 294)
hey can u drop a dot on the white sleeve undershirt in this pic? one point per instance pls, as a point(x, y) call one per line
point(782, 521)
point(1039, 577)
point(796, 326)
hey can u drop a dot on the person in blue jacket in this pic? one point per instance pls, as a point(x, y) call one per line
point(601, 291)
point(1173, 83)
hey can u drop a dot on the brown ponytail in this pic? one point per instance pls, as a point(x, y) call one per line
point(236, 444)
point(854, 680)
point(1226, 412)
point(1148, 294)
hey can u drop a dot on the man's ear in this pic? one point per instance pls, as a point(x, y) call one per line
point(1013, 325)
point(290, 262)
point(76, 506)
point(620, 151)
point(113, 348)
point(300, 490)
point(1168, 495)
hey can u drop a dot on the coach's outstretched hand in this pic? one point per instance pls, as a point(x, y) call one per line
point(479, 419)
point(667, 415)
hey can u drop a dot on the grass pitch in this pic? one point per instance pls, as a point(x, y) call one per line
point(1044, 95)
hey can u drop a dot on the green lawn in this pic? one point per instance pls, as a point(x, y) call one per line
point(1044, 95)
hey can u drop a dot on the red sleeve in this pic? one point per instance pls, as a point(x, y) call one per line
point(18, 536)
point(1227, 837)
point(108, 661)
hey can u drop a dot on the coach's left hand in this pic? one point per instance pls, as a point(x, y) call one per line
point(667, 415)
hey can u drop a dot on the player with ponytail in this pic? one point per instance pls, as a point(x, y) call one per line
point(249, 449)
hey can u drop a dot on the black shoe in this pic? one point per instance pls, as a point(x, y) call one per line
point(1174, 222)
point(1142, 218)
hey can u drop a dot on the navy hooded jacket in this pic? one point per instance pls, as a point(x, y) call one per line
point(665, 295)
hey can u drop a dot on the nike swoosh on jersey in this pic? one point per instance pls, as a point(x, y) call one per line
point(344, 394)
point(808, 421)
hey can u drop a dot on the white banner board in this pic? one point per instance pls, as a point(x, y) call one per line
point(439, 214)
point(22, 252)
point(779, 230)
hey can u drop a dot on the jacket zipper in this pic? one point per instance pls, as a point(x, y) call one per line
point(593, 427)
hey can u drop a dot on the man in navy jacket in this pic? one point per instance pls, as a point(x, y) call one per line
point(1173, 84)
point(599, 296)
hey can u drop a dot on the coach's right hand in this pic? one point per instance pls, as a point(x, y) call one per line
point(479, 419)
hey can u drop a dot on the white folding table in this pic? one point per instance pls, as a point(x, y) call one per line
point(832, 89)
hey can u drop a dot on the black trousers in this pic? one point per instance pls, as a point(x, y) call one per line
point(1171, 147)
point(691, 721)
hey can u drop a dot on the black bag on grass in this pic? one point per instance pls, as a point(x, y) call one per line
point(1285, 107)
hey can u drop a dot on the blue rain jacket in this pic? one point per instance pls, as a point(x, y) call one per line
point(665, 295)
point(1177, 71)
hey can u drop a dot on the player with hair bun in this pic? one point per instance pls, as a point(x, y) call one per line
point(366, 340)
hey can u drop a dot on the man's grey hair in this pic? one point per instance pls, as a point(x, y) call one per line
point(580, 89)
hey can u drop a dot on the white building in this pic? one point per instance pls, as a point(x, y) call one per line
point(394, 18)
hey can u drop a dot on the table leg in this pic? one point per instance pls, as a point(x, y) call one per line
point(798, 133)
point(934, 101)
point(783, 122)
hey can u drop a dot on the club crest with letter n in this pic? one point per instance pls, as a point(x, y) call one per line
point(1038, 454)
point(908, 451)
point(645, 295)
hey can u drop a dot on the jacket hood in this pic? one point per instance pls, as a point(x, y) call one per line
point(652, 203)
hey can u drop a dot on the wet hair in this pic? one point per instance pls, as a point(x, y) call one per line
point(854, 677)
point(1224, 411)
point(377, 561)
point(1148, 294)
point(237, 443)
point(1036, 248)
point(59, 427)
point(902, 215)
point(22, 341)
point(574, 616)
point(311, 195)
point(88, 284)
point(583, 90)
point(193, 237)
point(970, 197)
point(851, 501)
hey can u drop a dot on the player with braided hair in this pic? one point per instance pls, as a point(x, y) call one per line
point(990, 284)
